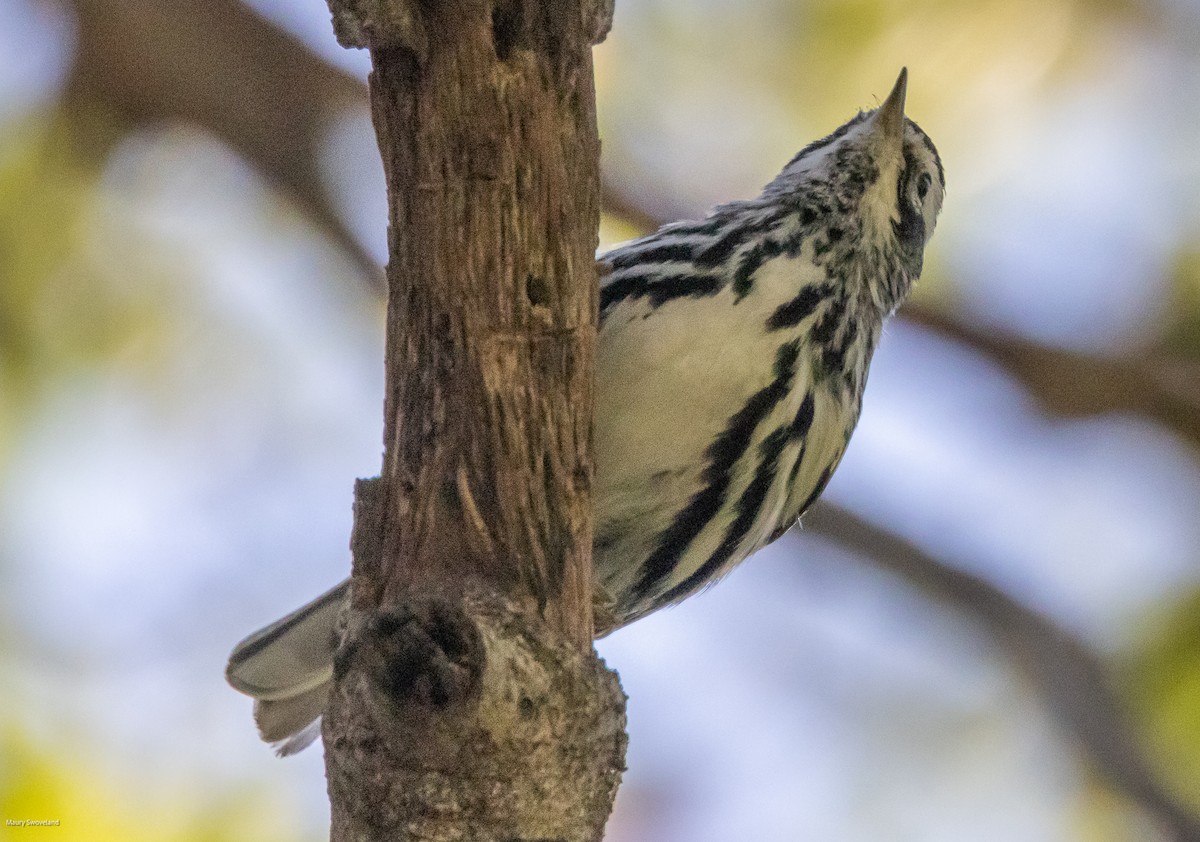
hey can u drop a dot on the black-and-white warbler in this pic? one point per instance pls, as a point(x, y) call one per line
point(732, 356)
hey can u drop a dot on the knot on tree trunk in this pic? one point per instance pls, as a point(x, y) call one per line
point(424, 652)
point(475, 708)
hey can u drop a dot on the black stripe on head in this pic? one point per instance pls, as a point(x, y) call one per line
point(933, 151)
point(910, 227)
point(722, 454)
point(830, 138)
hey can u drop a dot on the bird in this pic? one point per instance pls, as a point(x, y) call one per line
point(732, 356)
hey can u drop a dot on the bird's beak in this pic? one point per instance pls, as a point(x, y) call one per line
point(889, 119)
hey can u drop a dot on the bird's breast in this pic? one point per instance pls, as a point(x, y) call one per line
point(711, 426)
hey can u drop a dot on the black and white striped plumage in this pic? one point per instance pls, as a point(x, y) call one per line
point(732, 356)
point(734, 351)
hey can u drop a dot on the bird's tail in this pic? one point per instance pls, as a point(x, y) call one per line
point(287, 667)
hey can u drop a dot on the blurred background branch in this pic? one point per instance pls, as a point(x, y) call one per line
point(1070, 678)
point(219, 65)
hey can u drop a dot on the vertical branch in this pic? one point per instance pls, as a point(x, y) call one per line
point(468, 701)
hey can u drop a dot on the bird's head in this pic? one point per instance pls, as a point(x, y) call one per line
point(878, 178)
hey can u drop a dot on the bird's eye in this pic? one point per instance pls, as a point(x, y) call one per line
point(923, 185)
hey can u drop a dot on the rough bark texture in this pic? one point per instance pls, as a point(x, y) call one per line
point(468, 702)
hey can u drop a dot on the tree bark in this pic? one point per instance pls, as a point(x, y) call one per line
point(468, 702)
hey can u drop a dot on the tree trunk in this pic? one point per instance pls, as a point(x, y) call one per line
point(468, 701)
